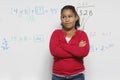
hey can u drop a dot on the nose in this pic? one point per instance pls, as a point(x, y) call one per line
point(67, 19)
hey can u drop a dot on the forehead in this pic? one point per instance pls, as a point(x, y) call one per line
point(67, 11)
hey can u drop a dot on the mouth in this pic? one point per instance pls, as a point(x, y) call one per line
point(67, 23)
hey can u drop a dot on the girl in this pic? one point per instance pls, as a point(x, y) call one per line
point(69, 46)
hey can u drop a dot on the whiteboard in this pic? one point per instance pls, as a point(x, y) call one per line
point(26, 27)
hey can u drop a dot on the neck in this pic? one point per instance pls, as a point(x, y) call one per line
point(70, 32)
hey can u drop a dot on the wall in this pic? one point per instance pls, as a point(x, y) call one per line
point(26, 26)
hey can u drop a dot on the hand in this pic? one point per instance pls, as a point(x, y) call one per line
point(82, 43)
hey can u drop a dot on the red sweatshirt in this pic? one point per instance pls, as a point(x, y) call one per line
point(68, 57)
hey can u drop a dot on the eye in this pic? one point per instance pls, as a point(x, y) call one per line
point(70, 16)
point(63, 16)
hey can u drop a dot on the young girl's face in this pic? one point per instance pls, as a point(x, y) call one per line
point(68, 19)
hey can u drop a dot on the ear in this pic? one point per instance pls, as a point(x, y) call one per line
point(77, 17)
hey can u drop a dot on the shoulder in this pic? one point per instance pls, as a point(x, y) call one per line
point(57, 31)
point(81, 32)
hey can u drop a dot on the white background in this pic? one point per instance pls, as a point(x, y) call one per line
point(26, 27)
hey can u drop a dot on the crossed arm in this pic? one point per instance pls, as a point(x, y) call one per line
point(63, 50)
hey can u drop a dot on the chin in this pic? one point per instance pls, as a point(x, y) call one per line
point(68, 28)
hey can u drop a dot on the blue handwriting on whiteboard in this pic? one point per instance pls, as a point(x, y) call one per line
point(100, 48)
point(37, 10)
point(4, 45)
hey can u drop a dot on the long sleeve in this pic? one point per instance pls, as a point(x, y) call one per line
point(76, 50)
point(55, 48)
